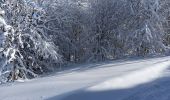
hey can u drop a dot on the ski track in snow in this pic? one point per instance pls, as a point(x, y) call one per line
point(128, 80)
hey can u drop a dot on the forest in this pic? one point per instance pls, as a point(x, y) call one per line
point(41, 36)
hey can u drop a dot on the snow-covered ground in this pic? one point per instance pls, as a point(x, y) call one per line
point(147, 79)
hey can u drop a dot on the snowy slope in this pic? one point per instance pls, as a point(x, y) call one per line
point(126, 80)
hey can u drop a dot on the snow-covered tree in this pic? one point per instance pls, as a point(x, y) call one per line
point(126, 27)
point(67, 24)
point(146, 29)
point(26, 49)
point(164, 13)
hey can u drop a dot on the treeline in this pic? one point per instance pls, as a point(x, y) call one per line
point(46, 34)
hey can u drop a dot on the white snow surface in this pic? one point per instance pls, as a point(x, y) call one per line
point(146, 79)
point(132, 79)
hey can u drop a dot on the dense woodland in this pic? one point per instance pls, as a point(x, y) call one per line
point(40, 36)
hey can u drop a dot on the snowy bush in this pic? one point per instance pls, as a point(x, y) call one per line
point(26, 53)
